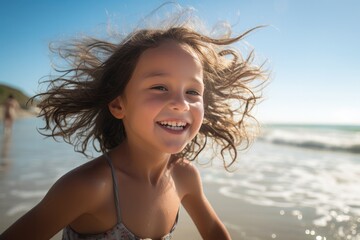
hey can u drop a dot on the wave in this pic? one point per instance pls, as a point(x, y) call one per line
point(321, 138)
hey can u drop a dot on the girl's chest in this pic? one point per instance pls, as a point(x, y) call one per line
point(148, 200)
point(148, 210)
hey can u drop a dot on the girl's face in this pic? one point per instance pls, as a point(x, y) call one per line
point(162, 106)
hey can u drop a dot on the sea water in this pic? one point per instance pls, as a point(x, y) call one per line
point(300, 182)
point(29, 165)
point(294, 182)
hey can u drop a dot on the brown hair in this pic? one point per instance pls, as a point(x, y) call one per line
point(75, 104)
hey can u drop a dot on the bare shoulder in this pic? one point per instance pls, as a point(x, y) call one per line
point(80, 191)
point(76, 193)
point(186, 177)
point(184, 167)
point(89, 179)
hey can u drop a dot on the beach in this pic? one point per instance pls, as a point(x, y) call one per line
point(295, 182)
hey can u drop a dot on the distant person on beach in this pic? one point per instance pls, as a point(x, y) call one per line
point(150, 104)
point(10, 108)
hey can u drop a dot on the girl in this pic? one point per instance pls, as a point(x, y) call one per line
point(150, 104)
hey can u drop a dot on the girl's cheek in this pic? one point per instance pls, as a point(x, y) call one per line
point(154, 99)
point(200, 107)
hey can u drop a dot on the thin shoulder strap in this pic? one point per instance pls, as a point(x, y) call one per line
point(116, 187)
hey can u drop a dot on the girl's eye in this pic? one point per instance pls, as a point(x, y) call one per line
point(160, 88)
point(193, 92)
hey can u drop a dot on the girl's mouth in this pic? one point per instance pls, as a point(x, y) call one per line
point(173, 125)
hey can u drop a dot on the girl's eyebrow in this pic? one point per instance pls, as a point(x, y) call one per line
point(156, 74)
point(165, 74)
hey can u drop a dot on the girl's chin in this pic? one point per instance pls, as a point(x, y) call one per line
point(176, 150)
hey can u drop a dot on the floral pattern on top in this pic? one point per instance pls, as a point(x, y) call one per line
point(118, 232)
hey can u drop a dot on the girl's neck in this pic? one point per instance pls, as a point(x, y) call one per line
point(141, 164)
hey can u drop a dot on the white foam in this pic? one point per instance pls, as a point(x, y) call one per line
point(288, 177)
point(318, 138)
point(28, 194)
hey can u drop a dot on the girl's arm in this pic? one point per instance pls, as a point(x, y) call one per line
point(67, 199)
point(199, 208)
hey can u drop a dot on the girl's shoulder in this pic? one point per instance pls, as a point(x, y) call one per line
point(78, 193)
point(92, 179)
point(186, 176)
point(97, 168)
point(183, 167)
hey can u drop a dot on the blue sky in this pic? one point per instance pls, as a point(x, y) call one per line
point(312, 47)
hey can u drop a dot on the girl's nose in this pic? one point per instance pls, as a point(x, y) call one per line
point(179, 103)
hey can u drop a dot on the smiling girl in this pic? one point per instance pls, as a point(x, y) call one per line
point(150, 103)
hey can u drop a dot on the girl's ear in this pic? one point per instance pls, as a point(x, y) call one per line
point(116, 108)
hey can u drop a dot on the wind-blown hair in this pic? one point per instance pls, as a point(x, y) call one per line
point(75, 104)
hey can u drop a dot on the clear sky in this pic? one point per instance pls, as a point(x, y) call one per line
point(312, 47)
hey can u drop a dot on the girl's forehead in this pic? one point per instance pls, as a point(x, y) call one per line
point(168, 53)
point(172, 48)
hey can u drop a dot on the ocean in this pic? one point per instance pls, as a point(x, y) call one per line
point(295, 181)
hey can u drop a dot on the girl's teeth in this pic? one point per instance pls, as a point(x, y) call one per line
point(173, 125)
point(174, 128)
